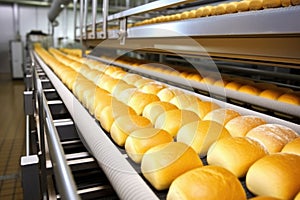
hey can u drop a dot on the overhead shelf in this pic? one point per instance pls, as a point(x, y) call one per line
point(270, 36)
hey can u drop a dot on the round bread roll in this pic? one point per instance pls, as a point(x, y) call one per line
point(167, 94)
point(206, 11)
point(295, 2)
point(195, 77)
point(231, 7)
point(220, 9)
point(131, 78)
point(183, 101)
point(239, 126)
point(100, 103)
point(289, 98)
point(152, 88)
point(221, 83)
point(141, 82)
point(172, 120)
point(276, 175)
point(154, 109)
point(243, 6)
point(233, 85)
point(165, 162)
point(235, 154)
point(201, 134)
point(90, 96)
point(297, 197)
point(264, 198)
point(208, 80)
point(141, 140)
point(201, 108)
point(209, 183)
point(120, 87)
point(292, 147)
point(270, 94)
point(124, 125)
point(111, 83)
point(271, 3)
point(255, 4)
point(222, 115)
point(111, 112)
point(139, 100)
point(272, 136)
point(249, 90)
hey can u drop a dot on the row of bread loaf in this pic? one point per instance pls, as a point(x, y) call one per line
point(221, 9)
point(147, 125)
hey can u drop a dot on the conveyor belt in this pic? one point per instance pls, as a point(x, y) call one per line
point(123, 174)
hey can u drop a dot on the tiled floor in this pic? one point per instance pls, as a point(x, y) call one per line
point(12, 137)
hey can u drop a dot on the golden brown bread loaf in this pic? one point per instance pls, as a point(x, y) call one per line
point(163, 163)
point(209, 183)
point(255, 4)
point(172, 120)
point(276, 175)
point(233, 85)
point(201, 108)
point(124, 125)
point(271, 3)
point(297, 197)
point(270, 94)
point(221, 115)
point(249, 89)
point(154, 109)
point(272, 136)
point(235, 154)
point(290, 98)
point(295, 2)
point(201, 134)
point(141, 140)
point(231, 7)
point(292, 147)
point(239, 126)
point(243, 6)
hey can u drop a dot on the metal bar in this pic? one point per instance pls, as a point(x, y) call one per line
point(75, 16)
point(85, 13)
point(94, 16)
point(27, 136)
point(63, 175)
point(105, 16)
point(81, 25)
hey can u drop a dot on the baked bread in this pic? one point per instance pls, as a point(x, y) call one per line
point(183, 101)
point(233, 85)
point(290, 98)
point(239, 126)
point(201, 134)
point(249, 89)
point(222, 115)
point(264, 198)
point(255, 4)
point(273, 136)
point(139, 100)
point(271, 3)
point(167, 94)
point(154, 109)
point(152, 88)
point(164, 163)
point(243, 6)
point(124, 125)
point(270, 94)
point(209, 183)
point(141, 140)
point(295, 2)
point(201, 108)
point(231, 7)
point(172, 120)
point(292, 147)
point(235, 154)
point(276, 175)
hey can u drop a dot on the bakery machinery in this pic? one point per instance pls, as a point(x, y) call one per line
point(78, 146)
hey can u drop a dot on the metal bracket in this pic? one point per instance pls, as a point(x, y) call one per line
point(123, 30)
point(28, 102)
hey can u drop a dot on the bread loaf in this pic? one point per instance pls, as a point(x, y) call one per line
point(201, 134)
point(141, 140)
point(271, 3)
point(152, 88)
point(154, 109)
point(163, 163)
point(167, 94)
point(264, 198)
point(235, 154)
point(139, 100)
point(231, 7)
point(289, 98)
point(292, 147)
point(233, 85)
point(270, 94)
point(183, 101)
point(243, 6)
point(209, 183)
point(276, 175)
point(124, 125)
point(239, 126)
point(249, 89)
point(172, 120)
point(201, 108)
point(272, 136)
point(255, 4)
point(222, 115)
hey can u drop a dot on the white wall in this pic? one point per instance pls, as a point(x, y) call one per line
point(30, 18)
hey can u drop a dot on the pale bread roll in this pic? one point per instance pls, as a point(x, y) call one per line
point(206, 11)
point(220, 9)
point(111, 84)
point(249, 89)
point(141, 82)
point(231, 7)
point(90, 96)
point(167, 94)
point(297, 197)
point(221, 83)
point(243, 6)
point(163, 163)
point(154, 109)
point(100, 103)
point(273, 136)
point(199, 12)
point(183, 101)
point(139, 100)
point(255, 4)
point(120, 87)
point(233, 85)
point(131, 78)
point(141, 140)
point(201, 108)
point(270, 94)
point(201, 134)
point(152, 88)
point(292, 147)
point(221, 115)
point(108, 115)
point(290, 98)
point(241, 125)
point(264, 198)
point(124, 125)
point(295, 2)
point(235, 154)
point(172, 120)
point(209, 183)
point(271, 3)
point(276, 175)
point(126, 94)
